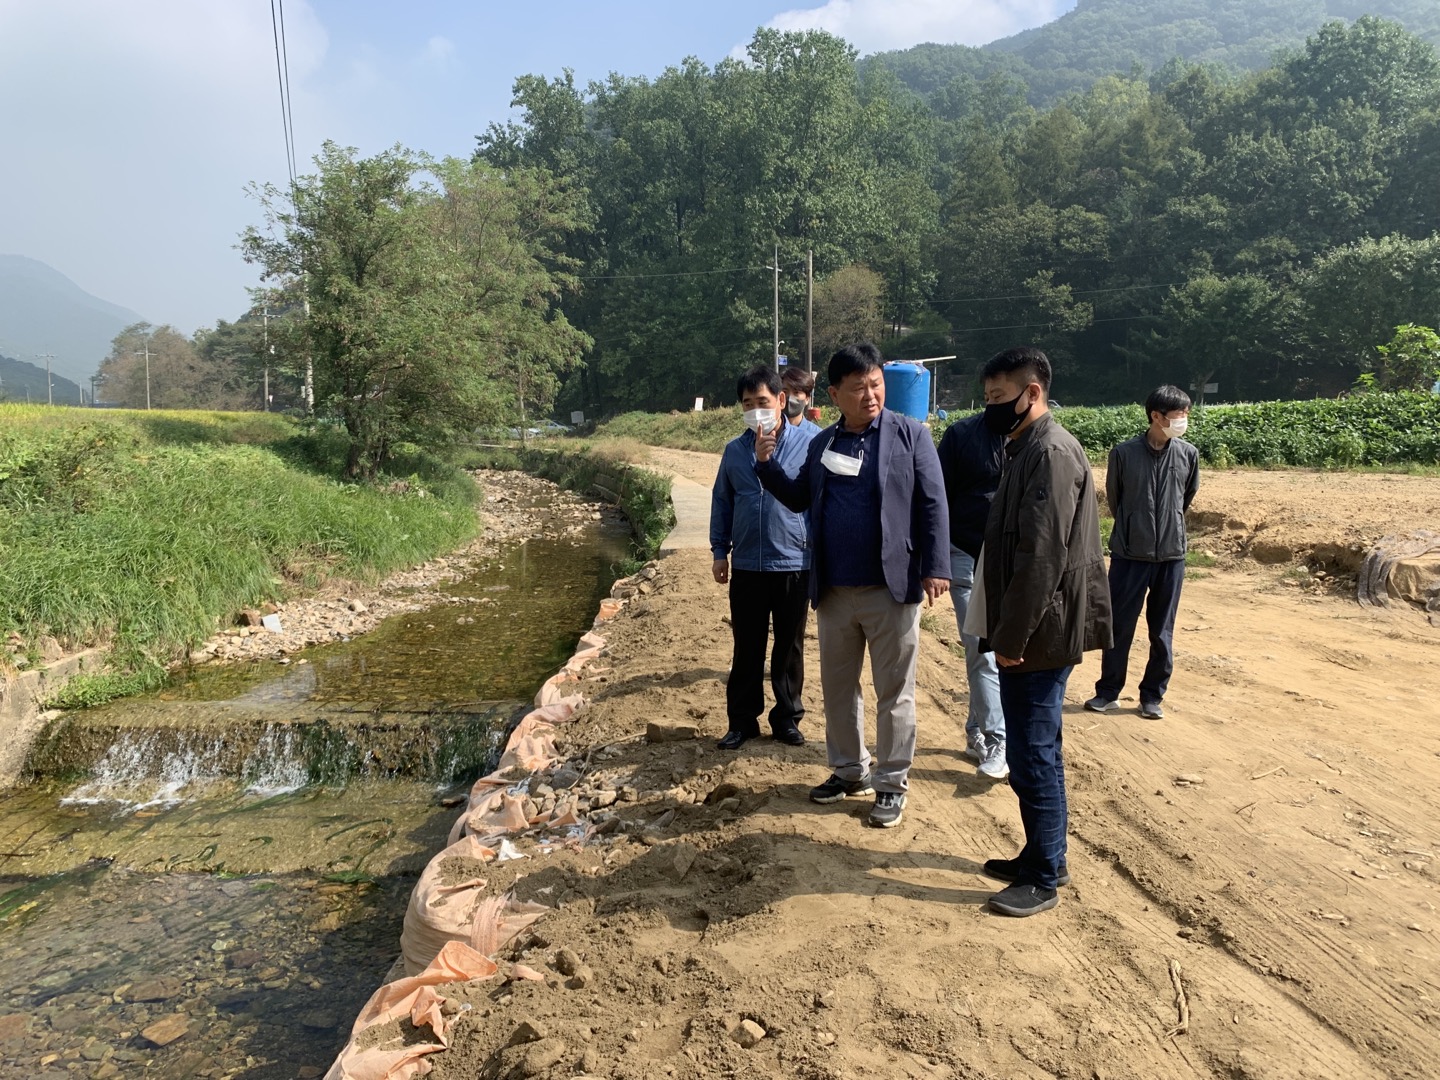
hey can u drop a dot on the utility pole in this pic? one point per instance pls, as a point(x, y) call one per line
point(810, 311)
point(775, 357)
point(49, 386)
point(309, 369)
point(146, 354)
point(92, 391)
point(265, 398)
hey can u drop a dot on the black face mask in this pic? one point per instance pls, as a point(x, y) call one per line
point(794, 407)
point(1001, 418)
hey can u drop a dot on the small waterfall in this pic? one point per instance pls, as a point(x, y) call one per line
point(154, 768)
point(278, 763)
point(151, 768)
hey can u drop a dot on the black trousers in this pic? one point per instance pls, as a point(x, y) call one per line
point(1130, 581)
point(758, 598)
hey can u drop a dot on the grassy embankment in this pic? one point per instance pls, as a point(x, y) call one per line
point(145, 531)
point(1388, 431)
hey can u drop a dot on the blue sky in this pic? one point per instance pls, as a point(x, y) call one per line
point(131, 130)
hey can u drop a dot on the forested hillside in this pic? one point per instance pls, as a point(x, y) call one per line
point(1264, 232)
point(1112, 37)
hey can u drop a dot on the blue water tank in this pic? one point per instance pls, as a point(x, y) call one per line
point(907, 389)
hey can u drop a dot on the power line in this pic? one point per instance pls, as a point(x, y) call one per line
point(289, 115)
point(681, 274)
point(282, 76)
point(1073, 292)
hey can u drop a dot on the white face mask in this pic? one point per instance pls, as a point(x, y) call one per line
point(842, 464)
point(1176, 428)
point(760, 419)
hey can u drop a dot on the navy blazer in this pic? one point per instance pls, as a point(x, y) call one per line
point(914, 521)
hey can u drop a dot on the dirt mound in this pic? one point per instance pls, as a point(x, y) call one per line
point(729, 927)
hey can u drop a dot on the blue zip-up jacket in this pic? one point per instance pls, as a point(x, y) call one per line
point(748, 524)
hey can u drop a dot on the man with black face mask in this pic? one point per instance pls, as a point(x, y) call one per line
point(1046, 602)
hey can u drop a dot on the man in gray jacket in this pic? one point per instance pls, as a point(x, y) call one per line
point(1150, 483)
point(1046, 603)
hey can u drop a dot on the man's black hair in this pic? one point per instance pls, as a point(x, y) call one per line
point(798, 379)
point(858, 359)
point(1024, 361)
point(1165, 400)
point(756, 377)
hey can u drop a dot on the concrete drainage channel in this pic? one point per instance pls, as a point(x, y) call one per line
point(209, 881)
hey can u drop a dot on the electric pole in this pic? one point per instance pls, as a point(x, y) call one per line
point(309, 369)
point(49, 386)
point(146, 354)
point(776, 268)
point(265, 398)
point(810, 311)
point(92, 391)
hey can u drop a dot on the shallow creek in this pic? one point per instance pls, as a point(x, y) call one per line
point(209, 881)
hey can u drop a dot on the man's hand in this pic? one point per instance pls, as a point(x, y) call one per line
point(935, 587)
point(721, 569)
point(1005, 661)
point(765, 443)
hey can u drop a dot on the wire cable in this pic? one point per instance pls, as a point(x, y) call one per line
point(284, 98)
point(289, 114)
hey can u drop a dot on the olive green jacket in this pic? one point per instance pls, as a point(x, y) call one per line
point(1047, 598)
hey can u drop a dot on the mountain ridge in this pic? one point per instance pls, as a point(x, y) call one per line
point(1097, 38)
point(43, 311)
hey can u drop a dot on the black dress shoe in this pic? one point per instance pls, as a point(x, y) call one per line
point(733, 740)
point(791, 736)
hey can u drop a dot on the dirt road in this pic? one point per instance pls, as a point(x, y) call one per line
point(1288, 882)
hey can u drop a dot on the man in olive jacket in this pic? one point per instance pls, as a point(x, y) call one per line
point(1046, 602)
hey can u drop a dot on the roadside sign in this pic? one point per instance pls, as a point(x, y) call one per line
point(781, 361)
point(577, 417)
point(699, 404)
point(1212, 388)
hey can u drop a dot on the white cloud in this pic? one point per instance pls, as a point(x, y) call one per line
point(876, 25)
point(439, 52)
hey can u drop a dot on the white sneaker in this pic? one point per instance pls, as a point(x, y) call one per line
point(993, 764)
point(975, 749)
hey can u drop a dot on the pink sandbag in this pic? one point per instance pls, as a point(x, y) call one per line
point(413, 996)
point(608, 610)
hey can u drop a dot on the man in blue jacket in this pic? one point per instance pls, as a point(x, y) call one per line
point(762, 550)
point(881, 538)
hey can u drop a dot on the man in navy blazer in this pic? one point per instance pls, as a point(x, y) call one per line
point(881, 536)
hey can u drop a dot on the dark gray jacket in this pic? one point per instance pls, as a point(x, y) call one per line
point(1047, 598)
point(1149, 491)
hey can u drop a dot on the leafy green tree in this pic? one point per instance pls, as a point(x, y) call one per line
point(1411, 360)
point(432, 309)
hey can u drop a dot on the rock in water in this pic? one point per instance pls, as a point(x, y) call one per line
point(167, 1029)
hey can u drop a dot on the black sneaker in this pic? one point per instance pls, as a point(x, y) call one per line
point(1022, 900)
point(835, 789)
point(1009, 870)
point(889, 808)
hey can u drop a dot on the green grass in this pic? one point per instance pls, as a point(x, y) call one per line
point(147, 530)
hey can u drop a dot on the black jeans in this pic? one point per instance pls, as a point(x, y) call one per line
point(756, 599)
point(1130, 580)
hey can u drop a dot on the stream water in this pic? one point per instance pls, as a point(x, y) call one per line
point(209, 881)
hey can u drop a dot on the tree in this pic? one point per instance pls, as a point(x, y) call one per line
point(1411, 361)
point(847, 308)
point(178, 376)
point(425, 301)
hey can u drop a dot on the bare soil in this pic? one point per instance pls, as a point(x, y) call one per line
point(1271, 845)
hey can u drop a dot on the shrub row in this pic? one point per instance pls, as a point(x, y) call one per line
point(1374, 429)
